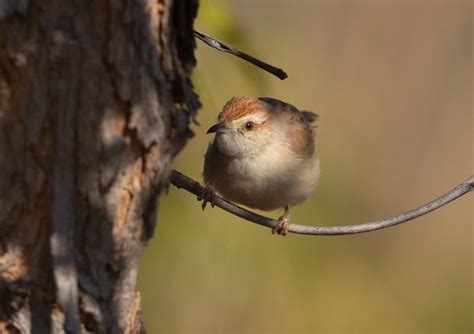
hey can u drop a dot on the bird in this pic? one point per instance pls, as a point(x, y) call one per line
point(262, 156)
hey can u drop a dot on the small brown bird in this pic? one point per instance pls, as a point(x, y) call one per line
point(262, 156)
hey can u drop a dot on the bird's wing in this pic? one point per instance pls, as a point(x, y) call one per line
point(302, 142)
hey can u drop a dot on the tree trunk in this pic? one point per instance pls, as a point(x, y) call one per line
point(95, 100)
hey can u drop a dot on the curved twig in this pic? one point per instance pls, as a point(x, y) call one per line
point(182, 181)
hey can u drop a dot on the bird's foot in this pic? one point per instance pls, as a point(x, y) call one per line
point(208, 195)
point(283, 223)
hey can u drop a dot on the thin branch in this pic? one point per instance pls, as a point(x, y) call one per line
point(182, 181)
point(221, 46)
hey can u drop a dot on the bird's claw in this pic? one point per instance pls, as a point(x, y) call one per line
point(282, 227)
point(283, 224)
point(208, 195)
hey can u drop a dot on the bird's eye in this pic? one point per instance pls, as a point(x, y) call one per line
point(249, 126)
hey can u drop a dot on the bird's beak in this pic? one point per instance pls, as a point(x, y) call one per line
point(219, 127)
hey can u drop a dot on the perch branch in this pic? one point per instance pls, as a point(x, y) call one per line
point(182, 181)
point(221, 46)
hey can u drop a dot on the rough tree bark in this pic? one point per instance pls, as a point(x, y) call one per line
point(95, 101)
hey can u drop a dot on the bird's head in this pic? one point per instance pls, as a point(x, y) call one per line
point(245, 126)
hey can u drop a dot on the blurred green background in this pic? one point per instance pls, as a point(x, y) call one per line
point(392, 83)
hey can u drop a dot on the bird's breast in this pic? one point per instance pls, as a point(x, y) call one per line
point(266, 181)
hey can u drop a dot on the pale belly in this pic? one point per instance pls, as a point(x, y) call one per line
point(264, 183)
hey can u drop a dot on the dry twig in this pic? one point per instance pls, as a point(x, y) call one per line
point(221, 46)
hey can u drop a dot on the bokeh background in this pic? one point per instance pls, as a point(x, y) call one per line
point(392, 83)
